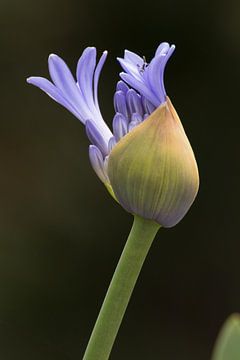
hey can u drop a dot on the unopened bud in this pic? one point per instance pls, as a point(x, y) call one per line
point(152, 169)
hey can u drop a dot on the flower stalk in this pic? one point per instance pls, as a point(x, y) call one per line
point(121, 287)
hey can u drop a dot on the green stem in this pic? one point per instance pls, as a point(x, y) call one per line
point(120, 289)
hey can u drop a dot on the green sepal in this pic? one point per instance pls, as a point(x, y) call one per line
point(110, 190)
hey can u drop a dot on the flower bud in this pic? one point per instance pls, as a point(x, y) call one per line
point(152, 169)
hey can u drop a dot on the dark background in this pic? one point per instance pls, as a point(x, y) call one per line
point(61, 234)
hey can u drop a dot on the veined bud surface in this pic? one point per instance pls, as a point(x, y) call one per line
point(152, 169)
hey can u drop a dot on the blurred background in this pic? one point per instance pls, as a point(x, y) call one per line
point(61, 234)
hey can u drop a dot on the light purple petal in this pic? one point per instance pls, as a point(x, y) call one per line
point(112, 142)
point(162, 49)
point(105, 166)
point(155, 73)
point(120, 126)
point(86, 78)
point(136, 117)
point(96, 77)
point(97, 162)
point(140, 87)
point(120, 104)
point(96, 137)
point(85, 70)
point(133, 58)
point(131, 68)
point(54, 93)
point(63, 79)
point(134, 102)
point(148, 106)
point(135, 121)
point(122, 86)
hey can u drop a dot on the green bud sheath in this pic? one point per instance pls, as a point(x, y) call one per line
point(153, 171)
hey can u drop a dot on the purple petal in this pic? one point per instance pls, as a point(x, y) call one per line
point(135, 120)
point(97, 162)
point(148, 106)
point(133, 58)
point(162, 49)
point(87, 82)
point(136, 117)
point(54, 93)
point(120, 126)
point(112, 142)
point(96, 137)
point(122, 86)
point(166, 58)
point(85, 70)
point(96, 77)
point(105, 166)
point(155, 73)
point(130, 68)
point(134, 102)
point(120, 104)
point(63, 79)
point(140, 87)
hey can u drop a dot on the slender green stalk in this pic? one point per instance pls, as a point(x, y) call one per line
point(120, 289)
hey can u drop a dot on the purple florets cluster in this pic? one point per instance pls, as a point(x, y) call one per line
point(137, 95)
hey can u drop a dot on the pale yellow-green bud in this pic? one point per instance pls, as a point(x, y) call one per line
point(152, 169)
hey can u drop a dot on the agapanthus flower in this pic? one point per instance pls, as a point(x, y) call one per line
point(139, 95)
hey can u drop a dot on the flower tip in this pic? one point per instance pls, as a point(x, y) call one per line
point(31, 80)
point(123, 76)
point(90, 50)
point(165, 49)
point(119, 59)
point(52, 57)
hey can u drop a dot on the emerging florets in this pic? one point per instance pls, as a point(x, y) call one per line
point(137, 95)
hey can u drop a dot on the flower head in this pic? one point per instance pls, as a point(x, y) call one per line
point(141, 110)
